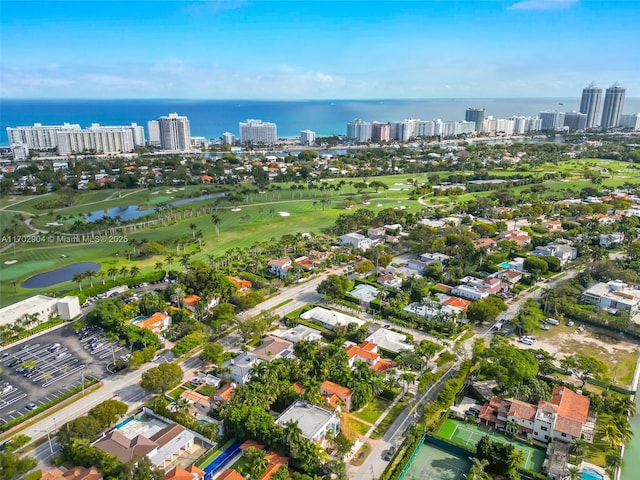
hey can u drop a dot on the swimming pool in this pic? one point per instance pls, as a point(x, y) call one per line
point(588, 474)
point(504, 264)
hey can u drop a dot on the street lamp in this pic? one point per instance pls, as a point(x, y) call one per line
point(48, 438)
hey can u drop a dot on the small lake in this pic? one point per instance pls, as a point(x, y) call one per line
point(59, 275)
point(131, 212)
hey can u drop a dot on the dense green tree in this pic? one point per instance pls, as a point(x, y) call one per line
point(161, 378)
point(211, 353)
point(12, 465)
point(584, 367)
point(507, 364)
point(108, 412)
point(486, 309)
point(334, 286)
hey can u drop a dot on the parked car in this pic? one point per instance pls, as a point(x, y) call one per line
point(552, 321)
point(389, 453)
point(31, 406)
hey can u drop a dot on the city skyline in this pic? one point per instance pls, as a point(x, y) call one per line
point(314, 50)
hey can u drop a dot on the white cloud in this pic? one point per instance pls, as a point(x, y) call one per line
point(541, 5)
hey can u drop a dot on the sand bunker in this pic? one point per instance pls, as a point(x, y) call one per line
point(379, 205)
point(284, 214)
point(11, 262)
point(237, 209)
point(54, 224)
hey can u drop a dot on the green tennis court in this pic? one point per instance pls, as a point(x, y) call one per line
point(468, 436)
point(433, 463)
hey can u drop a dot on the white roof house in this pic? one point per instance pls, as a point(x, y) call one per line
point(314, 422)
point(365, 293)
point(240, 367)
point(331, 318)
point(389, 340)
point(299, 333)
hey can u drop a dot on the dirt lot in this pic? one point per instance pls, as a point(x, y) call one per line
point(618, 353)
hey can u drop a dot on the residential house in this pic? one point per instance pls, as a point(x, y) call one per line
point(242, 284)
point(76, 473)
point(239, 368)
point(389, 280)
point(273, 347)
point(367, 352)
point(416, 265)
point(561, 251)
point(509, 277)
point(300, 333)
point(229, 474)
point(612, 239)
point(365, 293)
point(519, 236)
point(223, 395)
point(161, 448)
point(314, 422)
point(280, 266)
point(356, 240)
point(430, 258)
point(614, 295)
point(330, 318)
point(189, 302)
point(469, 292)
point(304, 263)
point(157, 323)
point(201, 403)
point(336, 395)
point(459, 304)
point(389, 340)
point(563, 418)
point(553, 226)
point(487, 243)
point(179, 473)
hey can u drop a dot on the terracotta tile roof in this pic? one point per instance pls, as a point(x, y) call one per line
point(241, 283)
point(298, 387)
point(483, 242)
point(275, 462)
point(328, 387)
point(117, 444)
point(332, 400)
point(280, 262)
point(457, 302)
point(442, 287)
point(191, 300)
point(522, 410)
point(206, 178)
point(229, 474)
point(180, 473)
point(355, 350)
point(82, 473)
point(54, 474)
point(225, 392)
point(571, 404)
point(251, 444)
point(568, 426)
point(155, 322)
point(368, 346)
point(196, 397)
point(383, 365)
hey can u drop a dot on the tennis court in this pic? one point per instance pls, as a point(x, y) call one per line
point(433, 463)
point(468, 436)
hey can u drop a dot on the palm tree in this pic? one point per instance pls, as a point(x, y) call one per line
point(90, 274)
point(185, 262)
point(215, 219)
point(135, 270)
point(113, 271)
point(169, 259)
point(78, 277)
point(102, 275)
point(407, 378)
point(578, 448)
point(178, 295)
point(613, 459)
point(258, 461)
point(572, 473)
point(611, 434)
point(193, 228)
point(124, 271)
point(159, 266)
point(292, 434)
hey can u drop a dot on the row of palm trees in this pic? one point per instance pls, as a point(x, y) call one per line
point(124, 271)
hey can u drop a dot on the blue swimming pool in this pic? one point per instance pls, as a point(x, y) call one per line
point(504, 264)
point(588, 474)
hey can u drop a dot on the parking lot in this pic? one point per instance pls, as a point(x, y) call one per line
point(49, 365)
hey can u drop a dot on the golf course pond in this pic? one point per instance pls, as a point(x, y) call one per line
point(59, 275)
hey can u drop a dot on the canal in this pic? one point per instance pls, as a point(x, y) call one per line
point(631, 465)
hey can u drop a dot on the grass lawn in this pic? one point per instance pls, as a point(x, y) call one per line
point(597, 450)
point(175, 394)
point(353, 428)
point(361, 455)
point(242, 465)
point(372, 411)
point(388, 420)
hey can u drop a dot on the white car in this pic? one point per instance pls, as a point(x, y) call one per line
point(552, 321)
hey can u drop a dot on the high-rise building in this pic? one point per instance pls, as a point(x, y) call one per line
point(380, 132)
point(258, 132)
point(153, 127)
point(590, 104)
point(631, 121)
point(175, 133)
point(359, 130)
point(38, 136)
point(307, 137)
point(228, 138)
point(576, 121)
point(475, 115)
point(552, 120)
point(95, 139)
point(20, 152)
point(613, 103)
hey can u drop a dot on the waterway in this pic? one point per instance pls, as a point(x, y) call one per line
point(132, 212)
point(631, 465)
point(59, 275)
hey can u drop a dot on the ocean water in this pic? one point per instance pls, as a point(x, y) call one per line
point(211, 118)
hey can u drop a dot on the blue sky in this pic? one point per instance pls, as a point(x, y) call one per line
point(263, 49)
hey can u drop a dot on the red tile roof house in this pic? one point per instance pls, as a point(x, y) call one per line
point(519, 236)
point(553, 226)
point(563, 418)
point(200, 402)
point(179, 473)
point(243, 285)
point(223, 395)
point(280, 266)
point(487, 243)
point(367, 352)
point(329, 390)
point(305, 263)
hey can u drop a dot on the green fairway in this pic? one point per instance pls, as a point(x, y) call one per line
point(468, 436)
